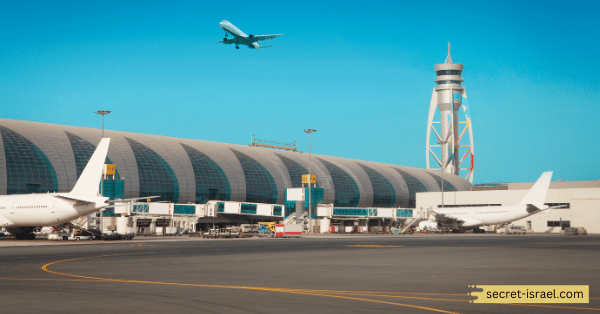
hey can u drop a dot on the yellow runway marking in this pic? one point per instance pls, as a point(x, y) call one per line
point(284, 290)
point(398, 293)
point(348, 295)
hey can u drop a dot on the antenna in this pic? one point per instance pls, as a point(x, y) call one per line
point(448, 58)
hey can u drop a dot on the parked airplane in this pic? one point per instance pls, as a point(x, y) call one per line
point(19, 214)
point(239, 38)
point(461, 218)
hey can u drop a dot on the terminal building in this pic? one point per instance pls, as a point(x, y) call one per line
point(39, 157)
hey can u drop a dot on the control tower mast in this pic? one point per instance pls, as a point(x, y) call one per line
point(449, 98)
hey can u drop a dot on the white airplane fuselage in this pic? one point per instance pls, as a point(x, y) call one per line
point(21, 213)
point(471, 217)
point(239, 36)
point(26, 210)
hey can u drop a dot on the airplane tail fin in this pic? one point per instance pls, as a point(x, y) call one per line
point(89, 181)
point(537, 195)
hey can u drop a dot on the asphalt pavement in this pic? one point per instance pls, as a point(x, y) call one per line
point(312, 274)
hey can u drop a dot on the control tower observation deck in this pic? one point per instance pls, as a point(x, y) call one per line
point(449, 97)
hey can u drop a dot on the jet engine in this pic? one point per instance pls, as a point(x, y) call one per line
point(22, 233)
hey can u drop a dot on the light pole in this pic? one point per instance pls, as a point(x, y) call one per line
point(102, 113)
point(309, 131)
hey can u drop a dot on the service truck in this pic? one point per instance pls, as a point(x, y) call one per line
point(288, 230)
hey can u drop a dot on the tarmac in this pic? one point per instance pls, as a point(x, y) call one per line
point(312, 274)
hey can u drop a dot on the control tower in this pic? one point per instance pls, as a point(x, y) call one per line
point(449, 99)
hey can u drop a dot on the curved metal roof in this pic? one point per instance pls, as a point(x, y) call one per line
point(186, 170)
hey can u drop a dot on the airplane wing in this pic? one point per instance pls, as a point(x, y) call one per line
point(264, 37)
point(225, 42)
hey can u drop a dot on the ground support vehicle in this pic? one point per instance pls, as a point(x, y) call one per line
point(265, 232)
point(575, 231)
point(229, 232)
point(269, 225)
point(249, 230)
point(288, 230)
point(117, 236)
point(514, 229)
point(58, 236)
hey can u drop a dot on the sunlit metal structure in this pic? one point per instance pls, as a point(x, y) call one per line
point(40, 157)
point(450, 121)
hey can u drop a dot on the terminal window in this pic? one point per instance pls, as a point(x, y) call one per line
point(557, 223)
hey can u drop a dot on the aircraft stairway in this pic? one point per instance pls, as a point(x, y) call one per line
point(291, 219)
point(189, 223)
point(84, 223)
point(410, 223)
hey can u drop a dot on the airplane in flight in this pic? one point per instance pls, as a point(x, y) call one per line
point(463, 218)
point(240, 38)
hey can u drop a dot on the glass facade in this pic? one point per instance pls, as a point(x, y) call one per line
point(260, 185)
point(113, 189)
point(384, 194)
point(414, 186)
point(402, 212)
point(248, 209)
point(447, 185)
point(28, 170)
point(363, 212)
point(83, 150)
point(294, 169)
point(447, 72)
point(448, 82)
point(218, 172)
point(211, 181)
point(156, 176)
point(184, 209)
point(347, 193)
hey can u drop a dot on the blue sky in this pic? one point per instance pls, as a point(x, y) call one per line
point(359, 72)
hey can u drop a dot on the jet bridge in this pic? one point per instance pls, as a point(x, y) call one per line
point(363, 219)
point(242, 208)
point(329, 211)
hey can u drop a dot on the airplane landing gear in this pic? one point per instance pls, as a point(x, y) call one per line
point(22, 233)
point(25, 236)
point(226, 34)
point(237, 47)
